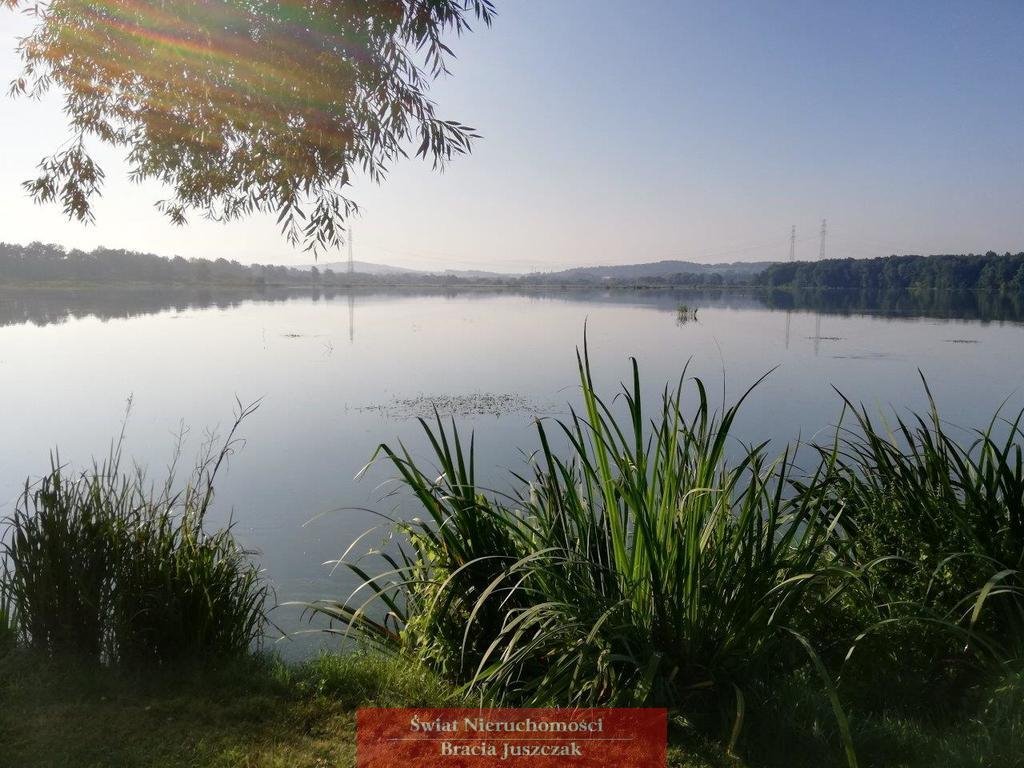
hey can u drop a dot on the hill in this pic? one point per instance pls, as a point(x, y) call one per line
point(370, 268)
point(362, 267)
point(661, 269)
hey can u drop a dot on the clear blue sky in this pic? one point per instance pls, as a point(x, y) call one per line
point(626, 132)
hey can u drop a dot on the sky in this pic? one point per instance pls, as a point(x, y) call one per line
point(620, 133)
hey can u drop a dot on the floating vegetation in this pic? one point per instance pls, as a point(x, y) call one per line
point(475, 404)
point(866, 356)
point(826, 338)
point(961, 341)
point(685, 314)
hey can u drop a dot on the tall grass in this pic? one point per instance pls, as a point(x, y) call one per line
point(8, 621)
point(103, 565)
point(646, 566)
point(650, 558)
point(946, 514)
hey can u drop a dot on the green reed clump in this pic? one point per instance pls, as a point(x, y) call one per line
point(685, 314)
point(643, 566)
point(947, 517)
point(102, 565)
point(60, 554)
point(8, 621)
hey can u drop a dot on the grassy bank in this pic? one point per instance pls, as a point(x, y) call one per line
point(255, 713)
point(260, 713)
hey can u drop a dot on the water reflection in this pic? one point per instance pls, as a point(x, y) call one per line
point(351, 318)
point(959, 305)
point(53, 306)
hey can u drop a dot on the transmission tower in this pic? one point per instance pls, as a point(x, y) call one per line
point(824, 233)
point(351, 265)
point(792, 244)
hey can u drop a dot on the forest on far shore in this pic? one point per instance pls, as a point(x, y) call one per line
point(987, 272)
point(52, 265)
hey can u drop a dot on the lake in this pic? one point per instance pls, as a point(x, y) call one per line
point(339, 374)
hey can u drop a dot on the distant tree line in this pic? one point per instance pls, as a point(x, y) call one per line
point(989, 272)
point(47, 264)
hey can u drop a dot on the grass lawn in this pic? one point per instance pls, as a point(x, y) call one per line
point(262, 714)
point(258, 715)
point(265, 714)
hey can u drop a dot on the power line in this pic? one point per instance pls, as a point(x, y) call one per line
point(351, 263)
point(792, 244)
point(824, 234)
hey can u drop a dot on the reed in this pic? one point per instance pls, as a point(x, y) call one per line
point(103, 565)
point(58, 557)
point(8, 621)
point(644, 566)
point(946, 516)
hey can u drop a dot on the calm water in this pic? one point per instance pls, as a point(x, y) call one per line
point(337, 376)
